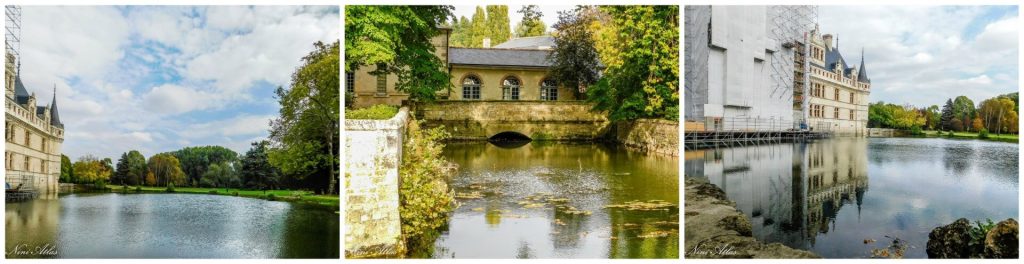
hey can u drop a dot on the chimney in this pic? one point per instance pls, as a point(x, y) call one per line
point(487, 43)
point(828, 41)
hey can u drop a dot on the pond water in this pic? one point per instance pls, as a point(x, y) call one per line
point(550, 200)
point(830, 196)
point(111, 225)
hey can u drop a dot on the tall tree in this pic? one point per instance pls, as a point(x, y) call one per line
point(478, 28)
point(396, 39)
point(121, 171)
point(498, 24)
point(257, 172)
point(90, 169)
point(305, 134)
point(221, 175)
point(574, 60)
point(646, 82)
point(460, 32)
point(963, 109)
point(166, 169)
point(531, 24)
point(137, 168)
point(196, 160)
point(67, 172)
point(946, 119)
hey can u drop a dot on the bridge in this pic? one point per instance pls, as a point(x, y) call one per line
point(536, 120)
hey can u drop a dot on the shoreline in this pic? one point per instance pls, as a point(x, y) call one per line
point(305, 199)
point(716, 229)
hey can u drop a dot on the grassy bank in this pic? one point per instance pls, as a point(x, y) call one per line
point(274, 195)
point(971, 135)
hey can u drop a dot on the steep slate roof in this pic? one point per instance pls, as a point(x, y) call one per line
point(499, 57)
point(537, 42)
point(862, 75)
point(54, 116)
point(20, 93)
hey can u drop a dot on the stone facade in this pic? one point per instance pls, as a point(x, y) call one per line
point(491, 67)
point(373, 151)
point(649, 135)
point(33, 136)
point(478, 120)
point(838, 92)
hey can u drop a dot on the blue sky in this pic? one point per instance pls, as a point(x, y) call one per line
point(923, 55)
point(157, 79)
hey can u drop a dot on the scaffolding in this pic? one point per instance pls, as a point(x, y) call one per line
point(12, 36)
point(789, 26)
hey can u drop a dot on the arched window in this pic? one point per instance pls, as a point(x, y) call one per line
point(549, 90)
point(471, 88)
point(510, 89)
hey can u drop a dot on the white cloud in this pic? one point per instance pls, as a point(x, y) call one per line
point(170, 99)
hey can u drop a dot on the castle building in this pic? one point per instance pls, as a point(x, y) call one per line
point(838, 92)
point(33, 134)
point(768, 68)
point(513, 70)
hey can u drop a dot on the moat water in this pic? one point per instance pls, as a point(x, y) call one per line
point(843, 198)
point(559, 200)
point(111, 225)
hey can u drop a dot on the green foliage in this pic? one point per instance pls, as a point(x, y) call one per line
point(130, 169)
point(67, 173)
point(983, 134)
point(946, 118)
point(478, 28)
point(978, 233)
point(498, 24)
point(425, 196)
point(963, 110)
point(138, 189)
point(916, 130)
point(303, 138)
point(170, 188)
point(257, 172)
point(89, 169)
point(574, 60)
point(196, 160)
point(999, 114)
point(881, 114)
point(644, 82)
point(460, 33)
point(212, 192)
point(397, 40)
point(166, 169)
point(531, 25)
point(271, 197)
point(221, 175)
point(376, 112)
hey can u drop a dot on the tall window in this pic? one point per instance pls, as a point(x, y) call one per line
point(852, 115)
point(836, 94)
point(26, 167)
point(382, 84)
point(471, 88)
point(350, 82)
point(510, 89)
point(28, 138)
point(835, 112)
point(549, 90)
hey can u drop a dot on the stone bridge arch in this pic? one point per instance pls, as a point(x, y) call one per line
point(538, 120)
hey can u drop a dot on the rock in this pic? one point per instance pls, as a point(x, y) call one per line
point(1002, 240)
point(950, 241)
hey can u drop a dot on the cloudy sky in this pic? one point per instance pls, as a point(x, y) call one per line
point(549, 14)
point(923, 55)
point(157, 79)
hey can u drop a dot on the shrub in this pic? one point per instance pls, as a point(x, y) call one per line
point(271, 197)
point(425, 198)
point(377, 112)
point(170, 187)
point(916, 130)
point(138, 189)
point(950, 133)
point(983, 134)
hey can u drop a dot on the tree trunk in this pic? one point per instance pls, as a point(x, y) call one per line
point(330, 149)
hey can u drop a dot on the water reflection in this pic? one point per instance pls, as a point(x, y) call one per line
point(816, 196)
point(522, 215)
point(171, 226)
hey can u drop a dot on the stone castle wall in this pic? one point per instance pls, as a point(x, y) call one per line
point(539, 120)
point(373, 154)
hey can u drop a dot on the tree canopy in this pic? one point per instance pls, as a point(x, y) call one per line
point(995, 115)
point(531, 25)
point(256, 171)
point(166, 170)
point(196, 160)
point(396, 40)
point(574, 61)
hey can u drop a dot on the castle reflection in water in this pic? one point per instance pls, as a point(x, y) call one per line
point(791, 192)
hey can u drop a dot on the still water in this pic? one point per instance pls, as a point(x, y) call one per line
point(830, 196)
point(111, 225)
point(549, 200)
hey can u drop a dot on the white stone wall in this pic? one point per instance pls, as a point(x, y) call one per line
point(373, 154)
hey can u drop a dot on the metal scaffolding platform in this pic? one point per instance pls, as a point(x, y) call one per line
point(715, 139)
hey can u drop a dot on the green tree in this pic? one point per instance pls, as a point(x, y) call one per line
point(946, 118)
point(646, 82)
point(305, 134)
point(196, 160)
point(498, 24)
point(67, 171)
point(121, 170)
point(221, 175)
point(137, 167)
point(574, 60)
point(478, 28)
point(963, 109)
point(257, 172)
point(396, 39)
point(166, 169)
point(89, 169)
point(460, 32)
point(531, 25)
point(932, 115)
point(998, 114)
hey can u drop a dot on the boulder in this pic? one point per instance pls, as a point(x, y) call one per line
point(1002, 240)
point(950, 241)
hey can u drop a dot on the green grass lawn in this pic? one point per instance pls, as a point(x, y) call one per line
point(991, 136)
point(282, 195)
